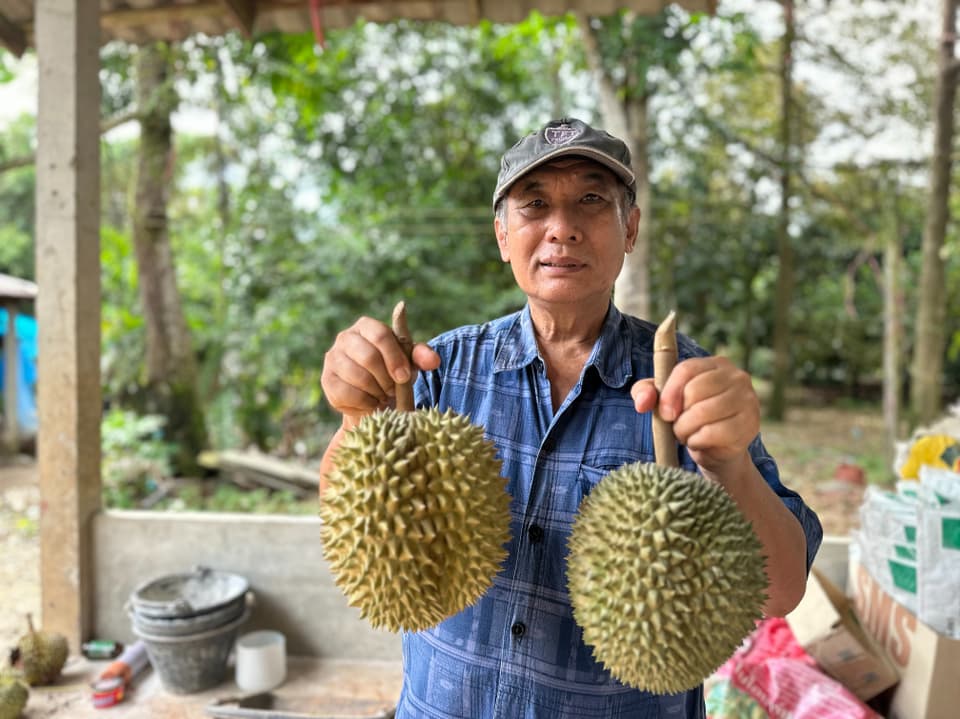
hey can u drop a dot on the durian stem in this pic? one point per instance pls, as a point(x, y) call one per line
point(400, 329)
point(664, 360)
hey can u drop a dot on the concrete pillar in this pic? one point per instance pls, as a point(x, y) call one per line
point(11, 367)
point(67, 37)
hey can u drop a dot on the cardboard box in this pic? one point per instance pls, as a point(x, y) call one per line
point(826, 626)
point(928, 663)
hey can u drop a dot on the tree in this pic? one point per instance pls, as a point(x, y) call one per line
point(776, 406)
point(624, 51)
point(928, 352)
point(171, 370)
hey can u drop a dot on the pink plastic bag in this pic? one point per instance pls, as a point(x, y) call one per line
point(782, 679)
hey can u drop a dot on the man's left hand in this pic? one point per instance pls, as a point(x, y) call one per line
point(713, 407)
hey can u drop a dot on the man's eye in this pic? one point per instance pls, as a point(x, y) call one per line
point(535, 204)
point(592, 197)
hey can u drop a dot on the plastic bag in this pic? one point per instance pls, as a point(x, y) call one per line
point(938, 542)
point(942, 483)
point(774, 672)
point(936, 450)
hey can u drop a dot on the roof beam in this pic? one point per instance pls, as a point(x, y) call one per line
point(244, 12)
point(133, 17)
point(12, 37)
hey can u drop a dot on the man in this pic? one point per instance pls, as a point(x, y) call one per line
point(564, 388)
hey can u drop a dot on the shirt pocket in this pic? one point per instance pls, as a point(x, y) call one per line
point(589, 477)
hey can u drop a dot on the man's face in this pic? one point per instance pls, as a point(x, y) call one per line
point(564, 233)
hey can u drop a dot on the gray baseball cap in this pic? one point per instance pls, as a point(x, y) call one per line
point(561, 138)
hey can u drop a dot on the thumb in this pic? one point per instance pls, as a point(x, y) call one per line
point(425, 358)
point(644, 395)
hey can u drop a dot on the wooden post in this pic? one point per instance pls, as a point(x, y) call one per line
point(11, 366)
point(68, 306)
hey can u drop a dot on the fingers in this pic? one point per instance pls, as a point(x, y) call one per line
point(726, 422)
point(366, 362)
point(712, 404)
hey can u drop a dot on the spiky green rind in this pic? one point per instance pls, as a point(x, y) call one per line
point(666, 576)
point(41, 656)
point(13, 696)
point(415, 517)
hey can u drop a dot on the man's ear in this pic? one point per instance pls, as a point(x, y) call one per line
point(633, 227)
point(500, 230)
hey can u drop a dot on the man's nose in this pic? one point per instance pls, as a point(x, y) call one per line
point(565, 225)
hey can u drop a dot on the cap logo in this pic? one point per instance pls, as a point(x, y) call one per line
point(560, 135)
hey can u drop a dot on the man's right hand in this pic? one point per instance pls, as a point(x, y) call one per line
point(362, 369)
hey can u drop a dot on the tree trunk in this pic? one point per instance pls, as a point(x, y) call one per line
point(632, 290)
point(892, 333)
point(784, 292)
point(929, 346)
point(171, 365)
point(627, 119)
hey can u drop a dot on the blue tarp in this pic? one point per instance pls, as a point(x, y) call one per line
point(27, 376)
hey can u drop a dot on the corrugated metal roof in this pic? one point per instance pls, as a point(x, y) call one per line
point(140, 21)
point(13, 288)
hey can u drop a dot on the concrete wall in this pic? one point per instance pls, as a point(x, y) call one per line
point(280, 557)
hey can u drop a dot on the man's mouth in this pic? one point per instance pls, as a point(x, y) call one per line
point(564, 264)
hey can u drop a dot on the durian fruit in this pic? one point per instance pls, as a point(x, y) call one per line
point(40, 655)
point(666, 576)
point(415, 517)
point(13, 696)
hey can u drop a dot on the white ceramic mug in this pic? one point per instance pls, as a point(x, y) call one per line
point(261, 661)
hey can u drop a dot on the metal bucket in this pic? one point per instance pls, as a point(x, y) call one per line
point(192, 662)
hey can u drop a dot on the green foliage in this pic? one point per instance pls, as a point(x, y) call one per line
point(342, 182)
point(117, 82)
point(339, 181)
point(229, 498)
point(122, 328)
point(136, 457)
point(632, 46)
point(6, 74)
point(137, 461)
point(17, 200)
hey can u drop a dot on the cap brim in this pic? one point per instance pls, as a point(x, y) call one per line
point(623, 172)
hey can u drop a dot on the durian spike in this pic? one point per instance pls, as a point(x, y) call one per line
point(404, 390)
point(664, 360)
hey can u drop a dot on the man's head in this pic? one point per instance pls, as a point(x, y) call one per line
point(564, 138)
point(565, 214)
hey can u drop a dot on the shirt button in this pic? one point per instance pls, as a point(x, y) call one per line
point(536, 533)
point(518, 629)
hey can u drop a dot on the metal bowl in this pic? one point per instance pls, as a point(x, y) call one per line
point(180, 596)
point(183, 626)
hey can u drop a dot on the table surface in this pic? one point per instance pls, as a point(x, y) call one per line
point(318, 687)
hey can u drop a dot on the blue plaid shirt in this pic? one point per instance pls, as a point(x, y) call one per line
point(518, 652)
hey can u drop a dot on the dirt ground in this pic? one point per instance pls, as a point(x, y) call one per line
point(19, 550)
point(828, 455)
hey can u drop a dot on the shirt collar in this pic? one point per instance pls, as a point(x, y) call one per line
point(611, 355)
point(517, 347)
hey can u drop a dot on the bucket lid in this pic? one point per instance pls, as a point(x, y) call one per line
point(189, 594)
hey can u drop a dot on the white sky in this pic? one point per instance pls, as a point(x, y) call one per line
point(19, 95)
